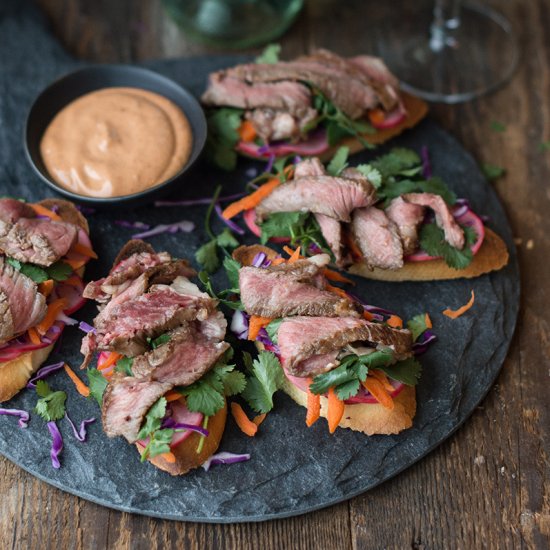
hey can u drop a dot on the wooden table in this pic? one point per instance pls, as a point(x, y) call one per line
point(487, 486)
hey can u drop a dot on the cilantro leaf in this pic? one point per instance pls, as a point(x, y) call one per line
point(273, 330)
point(437, 186)
point(153, 418)
point(407, 372)
point(37, 274)
point(417, 325)
point(336, 133)
point(397, 162)
point(16, 264)
point(371, 173)
point(205, 280)
point(202, 397)
point(492, 171)
point(223, 136)
point(160, 340)
point(232, 267)
point(51, 406)
point(339, 376)
point(282, 224)
point(207, 256)
point(124, 366)
point(226, 239)
point(267, 377)
point(60, 271)
point(270, 55)
point(234, 383)
point(432, 241)
point(97, 384)
point(347, 389)
point(339, 161)
point(159, 443)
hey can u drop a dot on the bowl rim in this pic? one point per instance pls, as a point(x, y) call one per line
point(114, 68)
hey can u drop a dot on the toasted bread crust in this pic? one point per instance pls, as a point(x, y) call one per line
point(492, 255)
point(67, 211)
point(134, 246)
point(245, 254)
point(368, 418)
point(186, 454)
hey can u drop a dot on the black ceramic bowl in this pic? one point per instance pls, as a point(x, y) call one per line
point(80, 82)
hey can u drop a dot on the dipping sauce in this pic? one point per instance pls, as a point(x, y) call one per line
point(115, 142)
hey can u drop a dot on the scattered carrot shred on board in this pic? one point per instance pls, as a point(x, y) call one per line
point(34, 337)
point(332, 275)
point(45, 288)
point(428, 321)
point(313, 408)
point(112, 358)
point(43, 211)
point(255, 324)
point(377, 390)
point(457, 313)
point(54, 308)
point(81, 388)
point(335, 410)
point(381, 376)
point(169, 457)
point(395, 322)
point(339, 291)
point(368, 315)
point(259, 418)
point(252, 200)
point(246, 131)
point(84, 250)
point(245, 424)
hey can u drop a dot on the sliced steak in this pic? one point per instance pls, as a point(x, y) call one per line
point(12, 210)
point(317, 364)
point(335, 197)
point(291, 97)
point(407, 216)
point(126, 401)
point(454, 234)
point(375, 69)
point(331, 230)
point(291, 289)
point(301, 338)
point(38, 241)
point(309, 167)
point(377, 238)
point(27, 306)
point(272, 125)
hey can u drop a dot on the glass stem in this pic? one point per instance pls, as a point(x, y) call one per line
point(446, 21)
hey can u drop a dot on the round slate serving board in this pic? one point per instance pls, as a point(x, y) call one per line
point(293, 469)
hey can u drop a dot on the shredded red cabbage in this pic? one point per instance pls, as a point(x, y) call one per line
point(297, 159)
point(426, 164)
point(132, 225)
point(24, 416)
point(172, 424)
point(261, 260)
point(57, 444)
point(184, 226)
point(225, 458)
point(421, 345)
point(85, 327)
point(239, 325)
point(43, 372)
point(197, 202)
point(270, 163)
point(264, 338)
point(230, 223)
point(80, 434)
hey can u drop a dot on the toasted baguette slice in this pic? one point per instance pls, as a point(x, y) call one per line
point(369, 418)
point(492, 255)
point(186, 454)
point(15, 374)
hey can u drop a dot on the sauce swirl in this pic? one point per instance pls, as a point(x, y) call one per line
point(115, 142)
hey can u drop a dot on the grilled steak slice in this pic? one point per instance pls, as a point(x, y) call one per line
point(272, 125)
point(291, 97)
point(375, 69)
point(38, 241)
point(25, 307)
point(331, 230)
point(335, 197)
point(454, 234)
point(301, 338)
point(125, 403)
point(317, 364)
point(12, 210)
point(377, 238)
point(407, 217)
point(291, 289)
point(309, 167)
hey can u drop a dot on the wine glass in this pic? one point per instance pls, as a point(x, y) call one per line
point(452, 52)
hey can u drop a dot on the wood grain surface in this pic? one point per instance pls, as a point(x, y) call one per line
point(486, 487)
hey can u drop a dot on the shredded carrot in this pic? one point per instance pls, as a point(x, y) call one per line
point(395, 322)
point(294, 254)
point(112, 358)
point(457, 313)
point(376, 116)
point(368, 315)
point(246, 131)
point(335, 410)
point(352, 245)
point(169, 457)
point(245, 424)
point(342, 293)
point(377, 390)
point(255, 324)
point(332, 275)
point(252, 200)
point(381, 377)
point(289, 171)
point(73, 280)
point(54, 308)
point(278, 261)
point(427, 321)
point(81, 388)
point(76, 264)
point(259, 418)
point(172, 396)
point(43, 211)
point(34, 337)
point(45, 288)
point(313, 408)
point(84, 250)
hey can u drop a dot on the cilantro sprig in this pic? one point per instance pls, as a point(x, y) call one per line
point(270, 55)
point(51, 406)
point(265, 378)
point(159, 439)
point(223, 136)
point(432, 241)
point(97, 384)
point(59, 271)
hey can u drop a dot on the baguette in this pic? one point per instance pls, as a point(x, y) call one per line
point(15, 374)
